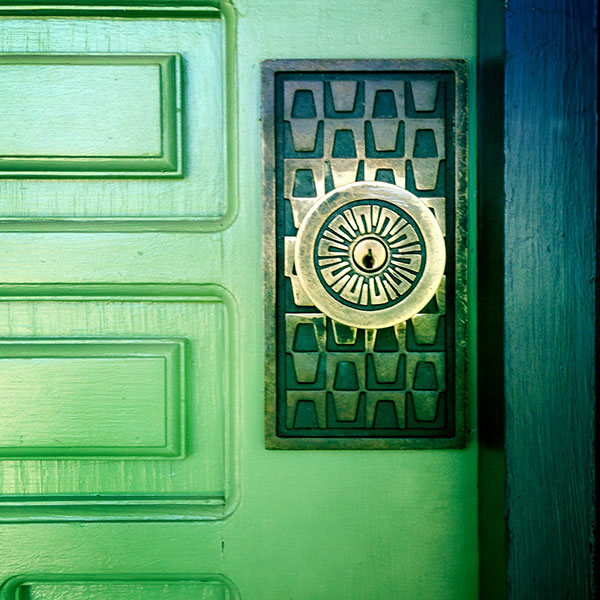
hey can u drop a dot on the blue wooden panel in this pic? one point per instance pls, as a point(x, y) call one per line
point(550, 245)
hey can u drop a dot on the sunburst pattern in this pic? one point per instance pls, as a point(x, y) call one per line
point(374, 275)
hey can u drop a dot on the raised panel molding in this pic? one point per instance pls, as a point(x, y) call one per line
point(90, 115)
point(119, 403)
point(190, 183)
point(91, 398)
point(211, 586)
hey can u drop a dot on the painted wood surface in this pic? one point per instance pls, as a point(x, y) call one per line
point(86, 587)
point(306, 525)
point(119, 59)
point(550, 219)
point(104, 398)
point(189, 474)
point(79, 114)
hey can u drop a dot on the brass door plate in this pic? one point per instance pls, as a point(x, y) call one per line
point(328, 124)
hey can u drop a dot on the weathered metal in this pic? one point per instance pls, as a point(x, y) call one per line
point(352, 360)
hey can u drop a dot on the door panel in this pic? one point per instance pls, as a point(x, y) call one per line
point(98, 97)
point(79, 115)
point(127, 420)
point(112, 267)
point(205, 587)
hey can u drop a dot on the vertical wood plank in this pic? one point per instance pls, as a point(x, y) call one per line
point(550, 228)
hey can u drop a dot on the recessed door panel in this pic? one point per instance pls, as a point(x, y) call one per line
point(78, 115)
point(184, 587)
point(88, 100)
point(97, 398)
point(113, 406)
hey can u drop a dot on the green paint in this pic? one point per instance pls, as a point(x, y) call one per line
point(304, 525)
point(92, 120)
point(198, 482)
point(182, 587)
point(204, 199)
point(66, 406)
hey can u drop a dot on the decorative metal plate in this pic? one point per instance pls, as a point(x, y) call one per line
point(399, 128)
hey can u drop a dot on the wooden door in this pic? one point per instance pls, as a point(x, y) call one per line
point(132, 452)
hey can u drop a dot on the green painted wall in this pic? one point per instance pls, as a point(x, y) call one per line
point(309, 525)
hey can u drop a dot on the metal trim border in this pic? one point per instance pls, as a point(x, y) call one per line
point(269, 70)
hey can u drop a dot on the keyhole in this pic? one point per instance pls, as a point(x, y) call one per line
point(370, 255)
point(368, 260)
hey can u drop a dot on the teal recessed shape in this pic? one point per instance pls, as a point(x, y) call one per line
point(346, 377)
point(385, 105)
point(304, 105)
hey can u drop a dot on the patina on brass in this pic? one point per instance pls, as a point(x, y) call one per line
point(370, 255)
point(348, 147)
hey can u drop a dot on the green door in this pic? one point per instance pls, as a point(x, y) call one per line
point(132, 451)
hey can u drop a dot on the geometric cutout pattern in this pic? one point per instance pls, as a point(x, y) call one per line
point(387, 388)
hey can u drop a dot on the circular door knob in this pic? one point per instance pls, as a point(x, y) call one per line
point(370, 254)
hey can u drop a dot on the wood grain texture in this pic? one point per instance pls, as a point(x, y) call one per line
point(82, 115)
point(198, 199)
point(91, 398)
point(200, 475)
point(550, 148)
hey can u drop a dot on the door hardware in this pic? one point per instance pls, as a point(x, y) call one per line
point(364, 253)
point(370, 255)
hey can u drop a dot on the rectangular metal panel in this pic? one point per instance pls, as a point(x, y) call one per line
point(330, 123)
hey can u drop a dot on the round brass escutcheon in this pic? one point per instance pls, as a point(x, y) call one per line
point(370, 254)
